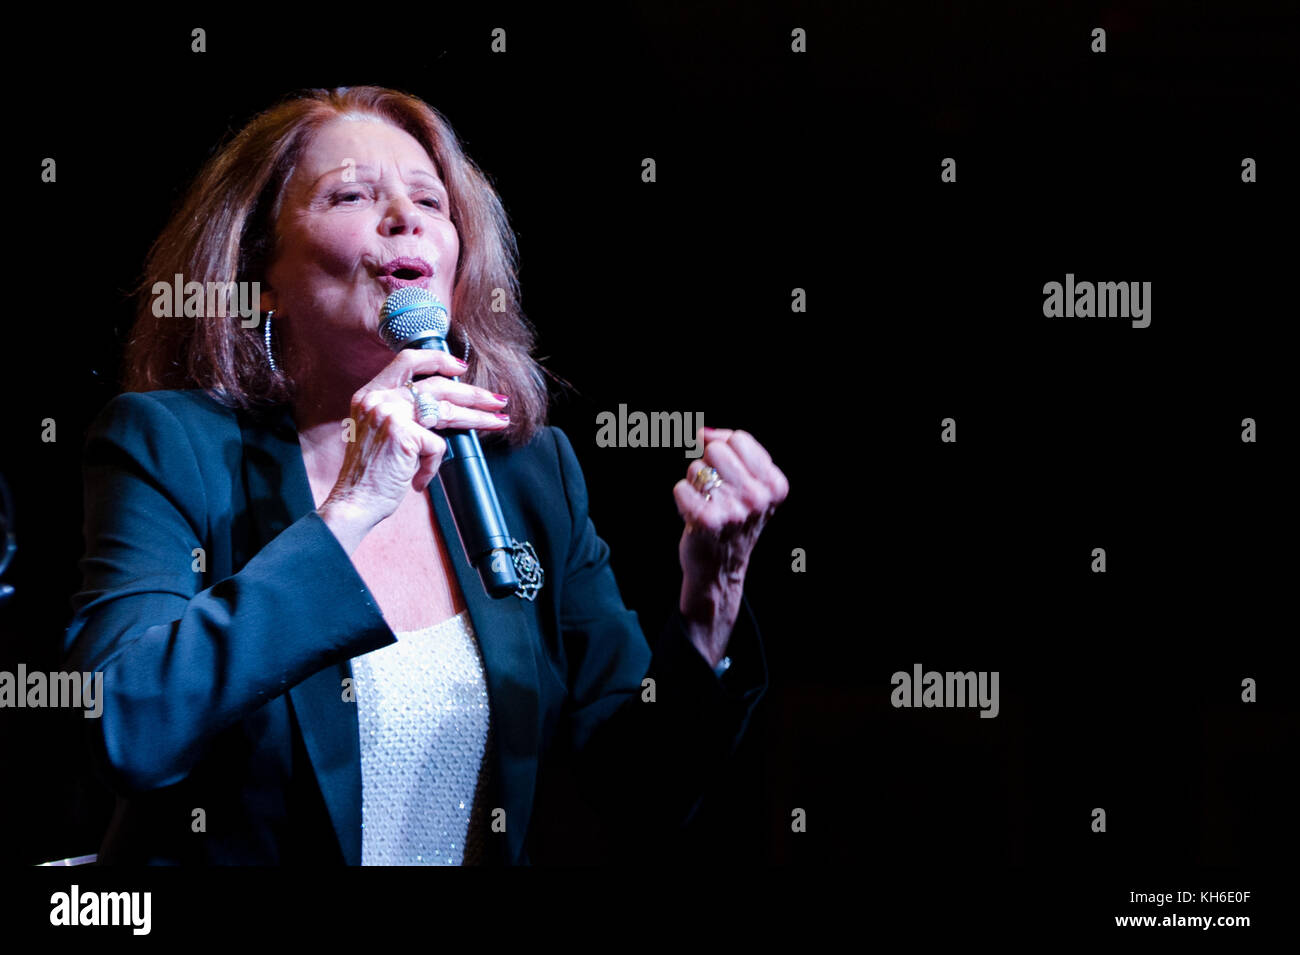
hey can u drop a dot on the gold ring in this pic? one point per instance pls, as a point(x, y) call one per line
point(703, 476)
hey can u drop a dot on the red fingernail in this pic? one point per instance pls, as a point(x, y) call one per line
point(503, 417)
point(463, 364)
point(502, 398)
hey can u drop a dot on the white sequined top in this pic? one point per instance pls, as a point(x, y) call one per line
point(423, 707)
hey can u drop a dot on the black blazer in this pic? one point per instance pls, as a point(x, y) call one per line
point(223, 689)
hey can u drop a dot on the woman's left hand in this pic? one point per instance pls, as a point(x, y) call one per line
point(721, 529)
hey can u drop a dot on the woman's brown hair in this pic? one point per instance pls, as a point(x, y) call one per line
point(223, 231)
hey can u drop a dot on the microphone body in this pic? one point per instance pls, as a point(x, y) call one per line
point(463, 472)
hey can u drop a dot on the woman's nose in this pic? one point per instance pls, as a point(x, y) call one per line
point(402, 217)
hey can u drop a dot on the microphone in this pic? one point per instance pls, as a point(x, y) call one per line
point(412, 317)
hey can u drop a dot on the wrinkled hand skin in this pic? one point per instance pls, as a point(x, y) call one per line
point(721, 531)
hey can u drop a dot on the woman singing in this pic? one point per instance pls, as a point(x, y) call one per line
point(300, 665)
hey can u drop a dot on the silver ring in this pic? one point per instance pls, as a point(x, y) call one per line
point(425, 406)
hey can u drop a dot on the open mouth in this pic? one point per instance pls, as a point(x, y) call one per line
point(407, 268)
point(405, 271)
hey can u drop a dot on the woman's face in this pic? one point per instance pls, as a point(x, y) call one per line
point(364, 205)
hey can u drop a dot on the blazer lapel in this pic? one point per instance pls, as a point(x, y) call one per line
point(501, 629)
point(279, 494)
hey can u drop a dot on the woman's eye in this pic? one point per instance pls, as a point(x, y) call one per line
point(345, 196)
point(437, 204)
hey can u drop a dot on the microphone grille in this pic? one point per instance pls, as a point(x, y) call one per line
point(412, 313)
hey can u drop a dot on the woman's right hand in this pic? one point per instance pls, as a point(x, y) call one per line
point(392, 453)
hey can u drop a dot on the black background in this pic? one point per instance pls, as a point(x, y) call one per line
point(817, 171)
